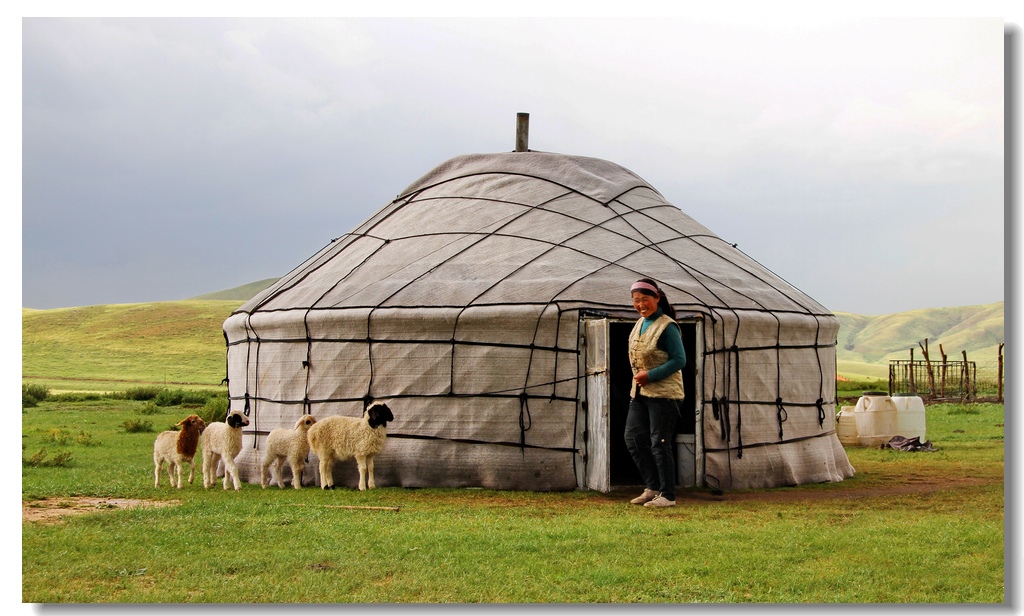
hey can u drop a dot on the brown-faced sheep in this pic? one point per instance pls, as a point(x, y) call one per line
point(177, 448)
point(287, 444)
point(338, 438)
point(222, 440)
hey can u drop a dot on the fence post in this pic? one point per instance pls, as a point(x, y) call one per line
point(999, 375)
point(913, 384)
point(942, 379)
point(966, 379)
point(928, 366)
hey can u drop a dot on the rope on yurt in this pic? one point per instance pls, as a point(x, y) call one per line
point(715, 410)
point(249, 406)
point(525, 421)
point(821, 373)
point(739, 407)
point(720, 405)
point(781, 415)
point(307, 408)
point(227, 364)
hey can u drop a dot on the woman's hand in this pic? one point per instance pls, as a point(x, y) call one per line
point(641, 378)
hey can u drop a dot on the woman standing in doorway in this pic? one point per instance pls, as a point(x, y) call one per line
point(657, 357)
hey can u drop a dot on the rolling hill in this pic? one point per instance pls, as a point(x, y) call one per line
point(119, 345)
point(866, 341)
point(240, 294)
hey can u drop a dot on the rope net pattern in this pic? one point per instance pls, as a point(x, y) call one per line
point(460, 303)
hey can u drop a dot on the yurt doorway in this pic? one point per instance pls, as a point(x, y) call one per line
point(609, 463)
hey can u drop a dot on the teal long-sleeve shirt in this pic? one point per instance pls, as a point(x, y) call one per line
point(671, 342)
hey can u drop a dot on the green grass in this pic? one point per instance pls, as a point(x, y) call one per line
point(878, 537)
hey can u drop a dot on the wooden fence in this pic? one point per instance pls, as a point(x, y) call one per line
point(946, 379)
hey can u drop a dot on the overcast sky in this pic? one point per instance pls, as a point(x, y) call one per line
point(861, 159)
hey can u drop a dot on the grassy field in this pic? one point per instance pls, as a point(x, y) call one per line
point(924, 527)
point(111, 347)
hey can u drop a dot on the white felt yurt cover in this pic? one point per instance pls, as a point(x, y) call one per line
point(459, 304)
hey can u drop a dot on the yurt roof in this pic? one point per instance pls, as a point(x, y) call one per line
point(530, 228)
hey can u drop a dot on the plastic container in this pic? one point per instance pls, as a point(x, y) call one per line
point(686, 459)
point(876, 417)
point(910, 416)
point(846, 427)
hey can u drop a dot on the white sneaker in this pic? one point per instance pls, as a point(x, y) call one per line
point(648, 495)
point(660, 501)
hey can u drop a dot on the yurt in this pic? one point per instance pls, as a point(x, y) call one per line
point(488, 306)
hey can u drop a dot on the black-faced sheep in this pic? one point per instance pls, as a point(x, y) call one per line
point(177, 448)
point(338, 438)
point(222, 440)
point(287, 444)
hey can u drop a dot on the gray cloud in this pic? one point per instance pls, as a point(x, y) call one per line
point(165, 158)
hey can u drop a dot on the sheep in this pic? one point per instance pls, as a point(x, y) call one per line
point(222, 440)
point(177, 448)
point(287, 444)
point(341, 438)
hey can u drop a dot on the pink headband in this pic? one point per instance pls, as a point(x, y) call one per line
point(643, 285)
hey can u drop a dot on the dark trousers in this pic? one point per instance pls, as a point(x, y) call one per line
point(650, 438)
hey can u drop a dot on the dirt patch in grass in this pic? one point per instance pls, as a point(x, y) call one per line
point(50, 510)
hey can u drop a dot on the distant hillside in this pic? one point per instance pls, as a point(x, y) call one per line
point(875, 340)
point(240, 294)
point(92, 347)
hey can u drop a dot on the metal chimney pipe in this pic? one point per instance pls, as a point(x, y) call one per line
point(522, 132)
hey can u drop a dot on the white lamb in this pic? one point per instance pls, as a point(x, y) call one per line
point(177, 448)
point(338, 438)
point(287, 444)
point(222, 440)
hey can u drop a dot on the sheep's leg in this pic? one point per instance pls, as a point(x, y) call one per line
point(191, 471)
point(156, 473)
point(170, 473)
point(369, 472)
point(232, 470)
point(177, 472)
point(326, 475)
point(279, 469)
point(210, 461)
point(361, 461)
point(297, 466)
point(264, 468)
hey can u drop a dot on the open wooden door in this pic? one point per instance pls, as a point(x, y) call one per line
point(597, 473)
